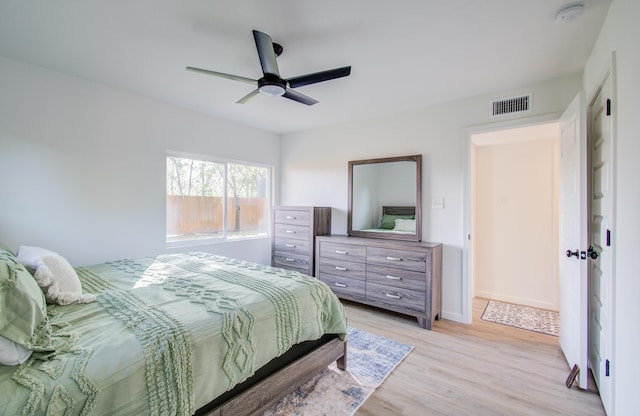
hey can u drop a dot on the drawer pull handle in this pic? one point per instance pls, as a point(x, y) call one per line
point(290, 217)
point(290, 231)
point(394, 258)
point(393, 295)
point(341, 252)
point(290, 245)
point(339, 284)
point(394, 277)
point(290, 259)
point(342, 269)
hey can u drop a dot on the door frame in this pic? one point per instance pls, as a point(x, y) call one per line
point(467, 252)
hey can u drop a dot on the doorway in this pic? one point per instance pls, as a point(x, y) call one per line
point(514, 215)
point(600, 195)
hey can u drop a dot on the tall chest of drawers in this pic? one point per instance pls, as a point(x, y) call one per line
point(295, 230)
point(400, 276)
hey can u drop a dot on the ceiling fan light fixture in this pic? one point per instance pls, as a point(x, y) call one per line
point(272, 90)
point(570, 12)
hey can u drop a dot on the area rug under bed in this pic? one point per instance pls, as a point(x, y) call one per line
point(523, 317)
point(370, 360)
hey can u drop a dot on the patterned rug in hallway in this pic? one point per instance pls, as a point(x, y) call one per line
point(370, 359)
point(524, 317)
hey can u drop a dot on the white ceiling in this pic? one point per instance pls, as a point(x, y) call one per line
point(404, 54)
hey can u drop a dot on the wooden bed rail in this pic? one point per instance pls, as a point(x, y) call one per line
point(266, 393)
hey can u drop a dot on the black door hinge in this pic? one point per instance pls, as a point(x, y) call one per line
point(608, 106)
point(606, 368)
point(608, 238)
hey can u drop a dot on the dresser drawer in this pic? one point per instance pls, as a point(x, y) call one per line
point(347, 252)
point(296, 232)
point(292, 217)
point(291, 261)
point(290, 245)
point(390, 295)
point(400, 278)
point(403, 259)
point(342, 268)
point(340, 285)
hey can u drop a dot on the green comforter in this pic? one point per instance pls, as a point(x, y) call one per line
point(167, 335)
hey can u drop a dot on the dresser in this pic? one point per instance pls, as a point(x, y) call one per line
point(401, 276)
point(295, 230)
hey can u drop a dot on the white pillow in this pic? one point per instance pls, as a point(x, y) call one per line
point(12, 353)
point(54, 275)
point(30, 256)
point(405, 225)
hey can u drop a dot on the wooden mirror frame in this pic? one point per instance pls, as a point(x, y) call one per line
point(418, 200)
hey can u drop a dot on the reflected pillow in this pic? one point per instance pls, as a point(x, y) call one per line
point(389, 221)
point(405, 225)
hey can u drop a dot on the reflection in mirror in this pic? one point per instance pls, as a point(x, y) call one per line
point(385, 198)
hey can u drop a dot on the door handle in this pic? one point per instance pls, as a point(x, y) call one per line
point(583, 254)
point(573, 253)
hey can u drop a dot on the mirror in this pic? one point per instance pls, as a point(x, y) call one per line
point(385, 198)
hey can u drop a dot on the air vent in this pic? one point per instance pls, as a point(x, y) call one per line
point(511, 105)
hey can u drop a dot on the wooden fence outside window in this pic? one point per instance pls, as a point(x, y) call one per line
point(193, 215)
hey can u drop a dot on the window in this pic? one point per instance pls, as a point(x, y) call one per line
point(211, 200)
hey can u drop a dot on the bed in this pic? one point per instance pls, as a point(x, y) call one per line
point(190, 333)
point(396, 220)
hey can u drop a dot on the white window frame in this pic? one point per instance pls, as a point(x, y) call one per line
point(225, 237)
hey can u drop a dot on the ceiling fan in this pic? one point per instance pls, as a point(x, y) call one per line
point(271, 83)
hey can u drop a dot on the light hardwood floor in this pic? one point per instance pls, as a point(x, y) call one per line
point(477, 369)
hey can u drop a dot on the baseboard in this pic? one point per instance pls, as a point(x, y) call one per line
point(535, 303)
point(451, 316)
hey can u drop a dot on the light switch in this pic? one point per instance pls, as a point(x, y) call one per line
point(437, 203)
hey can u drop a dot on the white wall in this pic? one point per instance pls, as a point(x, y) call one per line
point(314, 165)
point(82, 165)
point(515, 216)
point(620, 34)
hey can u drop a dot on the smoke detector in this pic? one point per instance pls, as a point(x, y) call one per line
point(570, 12)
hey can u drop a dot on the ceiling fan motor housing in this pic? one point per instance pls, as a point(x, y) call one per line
point(272, 85)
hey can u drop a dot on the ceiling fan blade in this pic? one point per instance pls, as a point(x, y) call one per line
point(264, 44)
point(253, 94)
point(302, 80)
point(223, 75)
point(301, 98)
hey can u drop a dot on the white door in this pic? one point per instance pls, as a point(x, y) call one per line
point(600, 139)
point(572, 226)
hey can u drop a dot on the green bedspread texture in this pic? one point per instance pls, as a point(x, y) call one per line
point(167, 335)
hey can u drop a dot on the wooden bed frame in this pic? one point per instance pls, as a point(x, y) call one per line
point(278, 378)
